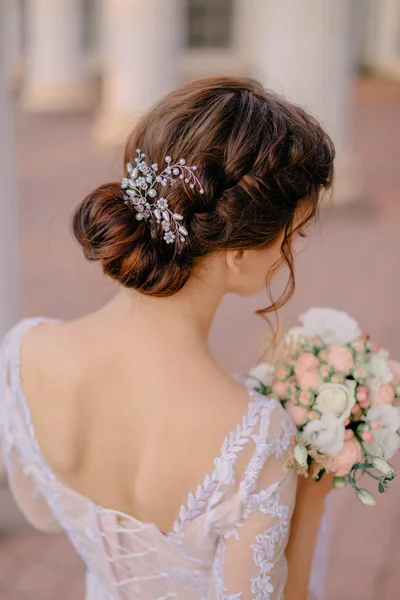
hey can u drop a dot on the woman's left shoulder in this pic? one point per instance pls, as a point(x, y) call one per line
point(275, 423)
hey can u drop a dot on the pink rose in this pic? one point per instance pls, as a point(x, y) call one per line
point(279, 389)
point(306, 373)
point(306, 362)
point(362, 389)
point(341, 359)
point(384, 395)
point(350, 454)
point(298, 413)
point(365, 403)
point(309, 380)
point(362, 396)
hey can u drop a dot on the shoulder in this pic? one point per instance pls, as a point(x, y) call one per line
point(274, 440)
point(274, 420)
point(12, 340)
point(29, 344)
point(21, 329)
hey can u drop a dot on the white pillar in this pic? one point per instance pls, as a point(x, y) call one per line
point(13, 35)
point(382, 52)
point(56, 73)
point(9, 234)
point(243, 36)
point(142, 39)
point(304, 52)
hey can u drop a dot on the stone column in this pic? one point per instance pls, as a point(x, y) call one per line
point(141, 43)
point(382, 53)
point(9, 234)
point(243, 35)
point(13, 35)
point(304, 52)
point(56, 69)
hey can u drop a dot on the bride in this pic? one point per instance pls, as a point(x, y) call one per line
point(120, 428)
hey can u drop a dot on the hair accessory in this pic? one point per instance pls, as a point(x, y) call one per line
point(139, 191)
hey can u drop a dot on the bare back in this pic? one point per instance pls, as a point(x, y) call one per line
point(125, 417)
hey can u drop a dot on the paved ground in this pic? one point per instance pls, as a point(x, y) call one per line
point(351, 262)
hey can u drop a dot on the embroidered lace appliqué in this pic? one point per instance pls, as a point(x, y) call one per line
point(209, 494)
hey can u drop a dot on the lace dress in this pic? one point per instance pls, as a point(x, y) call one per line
point(227, 542)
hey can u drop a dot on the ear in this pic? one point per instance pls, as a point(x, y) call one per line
point(235, 260)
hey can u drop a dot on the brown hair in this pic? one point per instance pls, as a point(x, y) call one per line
point(259, 159)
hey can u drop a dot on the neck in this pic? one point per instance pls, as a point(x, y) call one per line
point(188, 312)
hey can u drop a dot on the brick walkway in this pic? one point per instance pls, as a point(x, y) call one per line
point(351, 262)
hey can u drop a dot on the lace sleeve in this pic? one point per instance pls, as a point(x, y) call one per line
point(21, 467)
point(250, 562)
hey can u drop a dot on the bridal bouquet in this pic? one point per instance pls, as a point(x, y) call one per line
point(343, 394)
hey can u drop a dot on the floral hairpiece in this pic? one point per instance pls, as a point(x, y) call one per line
point(139, 192)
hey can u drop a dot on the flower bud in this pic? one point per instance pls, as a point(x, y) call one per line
point(300, 454)
point(365, 497)
point(382, 466)
point(367, 436)
point(339, 482)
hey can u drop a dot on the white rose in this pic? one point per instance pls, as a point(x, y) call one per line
point(336, 399)
point(263, 373)
point(380, 369)
point(325, 434)
point(386, 440)
point(334, 327)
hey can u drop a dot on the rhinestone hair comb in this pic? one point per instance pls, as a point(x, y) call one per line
point(139, 192)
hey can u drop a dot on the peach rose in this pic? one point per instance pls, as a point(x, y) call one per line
point(309, 380)
point(384, 395)
point(306, 362)
point(323, 355)
point(280, 389)
point(324, 371)
point(305, 398)
point(350, 454)
point(298, 413)
point(341, 359)
point(312, 415)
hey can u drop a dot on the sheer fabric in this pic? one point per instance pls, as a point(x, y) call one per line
point(227, 542)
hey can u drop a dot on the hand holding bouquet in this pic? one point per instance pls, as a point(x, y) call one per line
point(342, 392)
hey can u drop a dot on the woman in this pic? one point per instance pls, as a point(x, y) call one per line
point(112, 423)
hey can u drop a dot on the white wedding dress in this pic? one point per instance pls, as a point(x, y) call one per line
point(228, 541)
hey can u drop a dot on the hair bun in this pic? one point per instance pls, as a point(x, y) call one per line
point(103, 224)
point(131, 251)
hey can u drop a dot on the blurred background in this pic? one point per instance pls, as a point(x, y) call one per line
point(74, 77)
